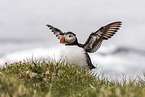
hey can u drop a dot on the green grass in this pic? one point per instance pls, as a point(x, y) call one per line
point(51, 79)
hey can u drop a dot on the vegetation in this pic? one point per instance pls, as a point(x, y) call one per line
point(50, 79)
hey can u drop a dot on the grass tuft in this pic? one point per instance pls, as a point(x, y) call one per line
point(50, 79)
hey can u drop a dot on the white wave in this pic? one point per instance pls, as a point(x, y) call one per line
point(129, 63)
point(32, 53)
point(37, 53)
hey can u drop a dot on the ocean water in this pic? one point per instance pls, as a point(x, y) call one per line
point(23, 31)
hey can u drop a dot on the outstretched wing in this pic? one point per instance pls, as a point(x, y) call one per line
point(56, 31)
point(95, 39)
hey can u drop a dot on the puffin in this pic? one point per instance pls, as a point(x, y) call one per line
point(77, 53)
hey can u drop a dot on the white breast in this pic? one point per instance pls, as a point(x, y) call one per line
point(74, 55)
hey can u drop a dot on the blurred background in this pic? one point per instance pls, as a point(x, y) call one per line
point(23, 31)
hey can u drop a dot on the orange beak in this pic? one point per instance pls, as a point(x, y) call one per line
point(63, 40)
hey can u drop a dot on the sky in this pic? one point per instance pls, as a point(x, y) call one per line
point(26, 19)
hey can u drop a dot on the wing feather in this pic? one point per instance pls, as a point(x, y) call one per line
point(56, 31)
point(95, 39)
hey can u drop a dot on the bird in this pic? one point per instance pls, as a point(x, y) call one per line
point(77, 53)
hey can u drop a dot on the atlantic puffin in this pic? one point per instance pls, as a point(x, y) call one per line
point(77, 53)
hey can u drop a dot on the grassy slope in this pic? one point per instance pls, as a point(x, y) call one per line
point(55, 79)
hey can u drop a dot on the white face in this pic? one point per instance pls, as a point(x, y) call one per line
point(70, 38)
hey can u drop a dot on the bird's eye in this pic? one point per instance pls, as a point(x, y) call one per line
point(70, 36)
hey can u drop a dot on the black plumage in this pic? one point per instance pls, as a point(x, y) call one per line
point(94, 41)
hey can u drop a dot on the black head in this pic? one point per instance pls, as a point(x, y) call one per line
point(69, 38)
